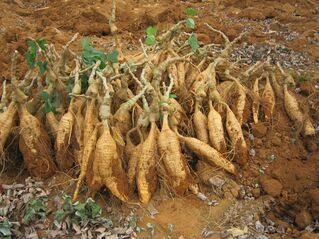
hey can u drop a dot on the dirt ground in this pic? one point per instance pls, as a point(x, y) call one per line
point(281, 181)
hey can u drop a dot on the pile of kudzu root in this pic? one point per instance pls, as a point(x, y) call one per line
point(129, 120)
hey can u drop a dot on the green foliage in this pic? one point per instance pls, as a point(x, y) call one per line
point(34, 208)
point(190, 23)
point(151, 31)
point(91, 55)
point(172, 96)
point(42, 43)
point(69, 87)
point(151, 228)
point(78, 212)
point(42, 66)
point(50, 102)
point(31, 53)
point(5, 229)
point(170, 228)
point(84, 83)
point(31, 56)
point(304, 77)
point(151, 36)
point(113, 56)
point(129, 65)
point(191, 12)
point(193, 42)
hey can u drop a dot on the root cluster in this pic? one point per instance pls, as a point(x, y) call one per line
point(131, 123)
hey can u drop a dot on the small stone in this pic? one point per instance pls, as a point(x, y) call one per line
point(258, 142)
point(252, 152)
point(271, 186)
point(303, 219)
point(262, 153)
point(276, 141)
point(262, 237)
point(259, 130)
point(256, 192)
point(259, 227)
point(311, 146)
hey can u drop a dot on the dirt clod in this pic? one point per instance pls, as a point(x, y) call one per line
point(256, 192)
point(276, 141)
point(303, 219)
point(314, 196)
point(309, 235)
point(271, 186)
point(259, 130)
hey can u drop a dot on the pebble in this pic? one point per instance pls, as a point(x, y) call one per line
point(262, 237)
point(276, 141)
point(256, 192)
point(271, 186)
point(259, 227)
point(303, 219)
point(259, 130)
point(252, 152)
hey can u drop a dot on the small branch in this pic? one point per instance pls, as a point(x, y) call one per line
point(63, 58)
point(28, 88)
point(226, 39)
point(170, 87)
point(14, 69)
point(168, 34)
point(135, 78)
point(83, 96)
point(93, 72)
point(251, 70)
point(4, 100)
point(77, 82)
point(146, 55)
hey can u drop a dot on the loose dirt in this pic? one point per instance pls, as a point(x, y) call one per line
point(284, 165)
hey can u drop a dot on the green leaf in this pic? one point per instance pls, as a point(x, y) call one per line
point(29, 215)
point(45, 96)
point(151, 226)
point(5, 231)
point(170, 228)
point(35, 207)
point(150, 40)
point(113, 56)
point(37, 204)
point(69, 87)
point(91, 55)
point(32, 46)
point(80, 211)
point(55, 100)
point(42, 43)
point(30, 57)
point(5, 228)
point(59, 215)
point(140, 229)
point(190, 23)
point(193, 42)
point(31, 54)
point(151, 31)
point(107, 223)
point(172, 96)
point(84, 83)
point(191, 12)
point(67, 205)
point(92, 208)
point(47, 103)
point(42, 66)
